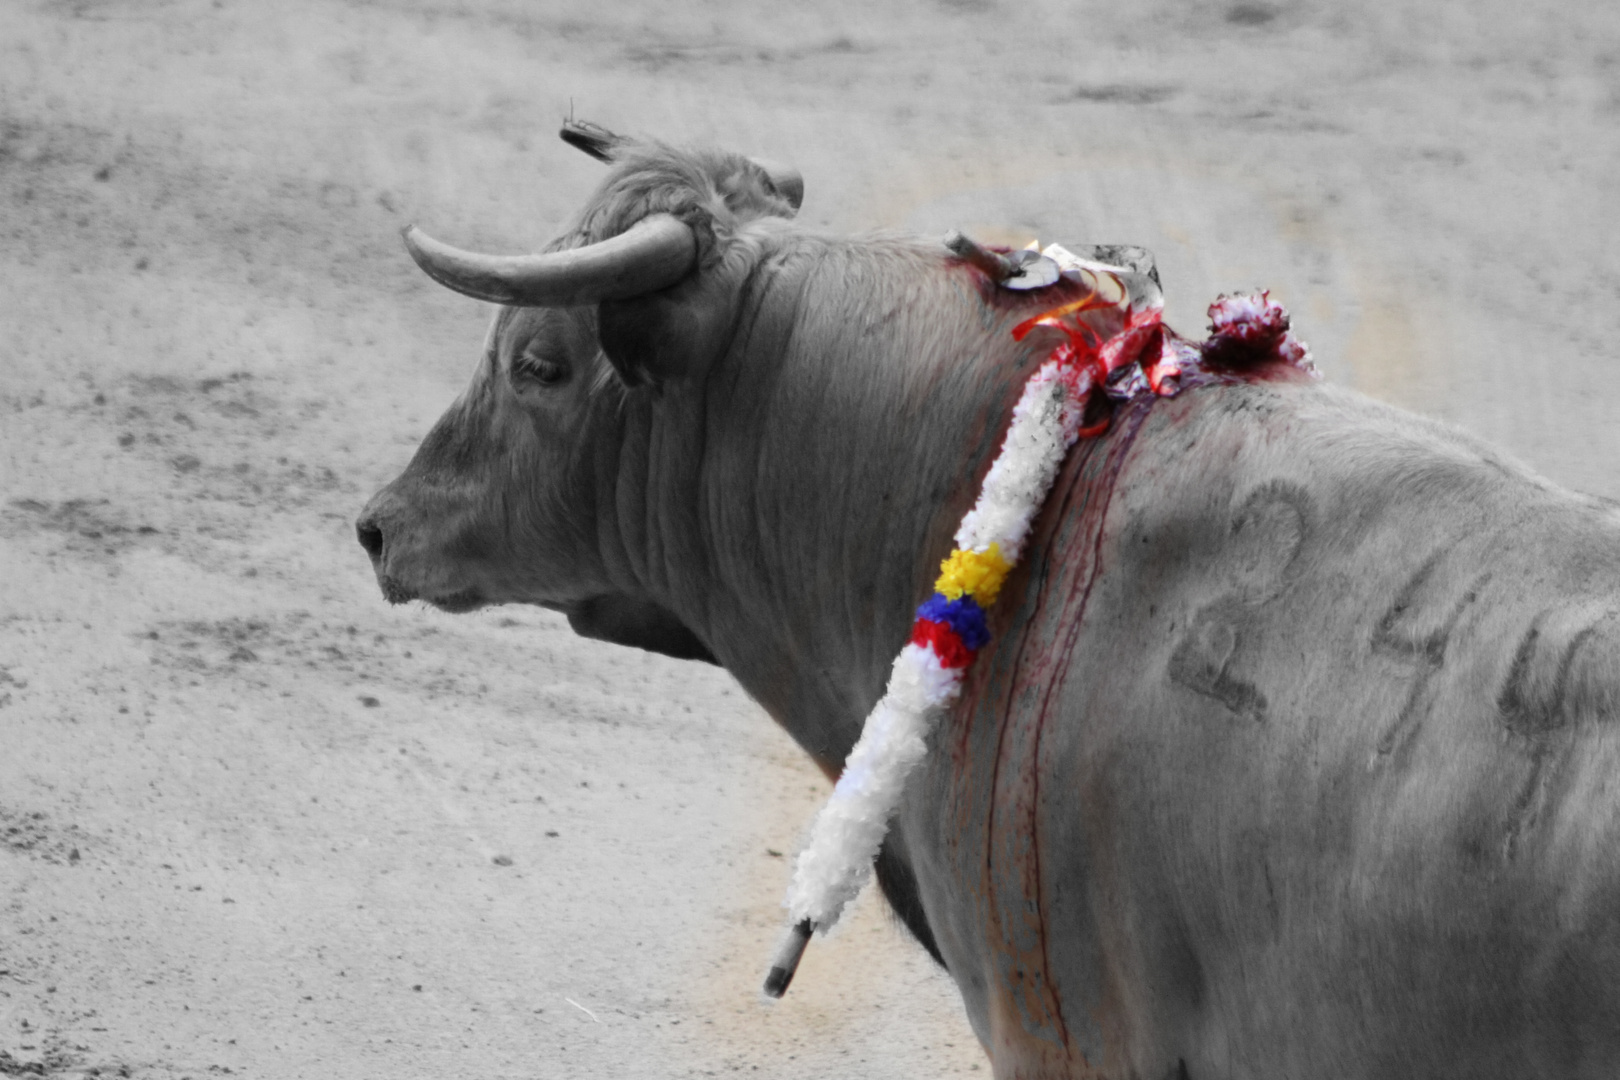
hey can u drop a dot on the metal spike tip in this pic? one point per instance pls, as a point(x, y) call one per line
point(787, 959)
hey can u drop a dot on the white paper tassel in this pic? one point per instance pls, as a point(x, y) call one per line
point(844, 841)
point(1043, 428)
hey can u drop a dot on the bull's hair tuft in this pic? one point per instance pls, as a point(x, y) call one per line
point(712, 191)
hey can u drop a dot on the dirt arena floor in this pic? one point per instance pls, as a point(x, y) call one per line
point(255, 822)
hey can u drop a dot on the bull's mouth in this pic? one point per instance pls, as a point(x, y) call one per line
point(456, 603)
point(393, 591)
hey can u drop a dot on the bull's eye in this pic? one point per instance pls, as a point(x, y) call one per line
point(540, 370)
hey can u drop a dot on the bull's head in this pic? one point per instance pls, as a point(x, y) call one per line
point(503, 502)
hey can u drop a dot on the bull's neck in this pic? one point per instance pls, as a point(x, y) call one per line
point(842, 437)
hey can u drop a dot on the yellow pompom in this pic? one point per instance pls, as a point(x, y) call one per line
point(979, 574)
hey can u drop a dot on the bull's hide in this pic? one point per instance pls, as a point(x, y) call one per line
point(1292, 755)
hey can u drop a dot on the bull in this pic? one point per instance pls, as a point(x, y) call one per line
point(1295, 752)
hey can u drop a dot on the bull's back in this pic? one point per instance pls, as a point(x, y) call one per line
point(1296, 759)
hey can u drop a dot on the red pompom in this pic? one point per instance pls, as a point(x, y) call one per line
point(944, 642)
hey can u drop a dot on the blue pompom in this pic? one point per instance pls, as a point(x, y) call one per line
point(964, 616)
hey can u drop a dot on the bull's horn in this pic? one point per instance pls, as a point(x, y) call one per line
point(594, 139)
point(652, 254)
point(785, 179)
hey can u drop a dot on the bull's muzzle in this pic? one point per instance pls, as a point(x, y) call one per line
point(405, 571)
point(369, 531)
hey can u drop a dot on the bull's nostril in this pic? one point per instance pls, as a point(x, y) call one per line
point(371, 538)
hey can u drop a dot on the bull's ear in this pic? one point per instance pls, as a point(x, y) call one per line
point(787, 181)
point(670, 334)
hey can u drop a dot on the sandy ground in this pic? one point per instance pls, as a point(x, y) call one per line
point(255, 822)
